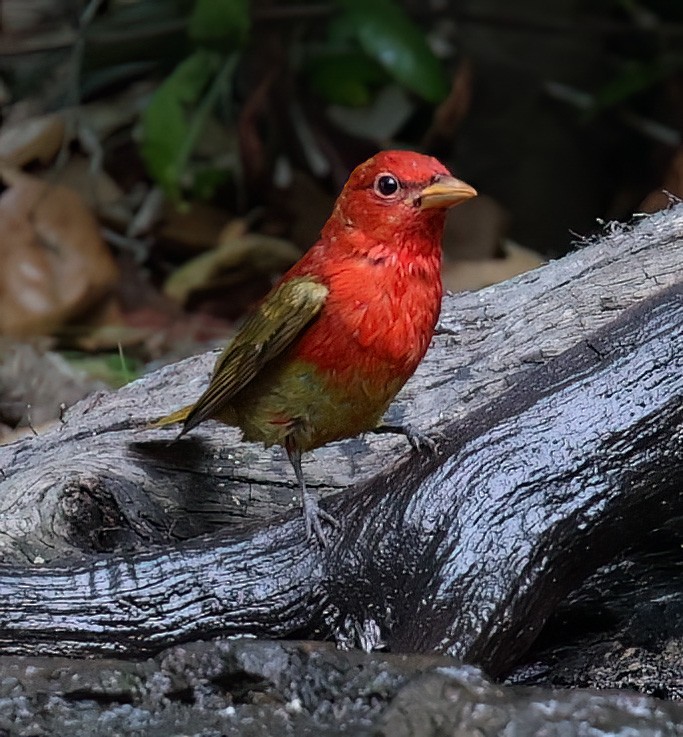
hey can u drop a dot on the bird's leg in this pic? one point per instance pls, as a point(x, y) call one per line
point(418, 440)
point(313, 514)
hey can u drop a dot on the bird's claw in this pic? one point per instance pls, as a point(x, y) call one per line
point(418, 440)
point(313, 518)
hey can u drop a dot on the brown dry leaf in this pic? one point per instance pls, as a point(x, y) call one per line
point(237, 259)
point(195, 228)
point(56, 266)
point(97, 189)
point(36, 139)
point(111, 337)
point(464, 276)
point(104, 329)
point(35, 383)
point(172, 337)
point(105, 116)
point(673, 183)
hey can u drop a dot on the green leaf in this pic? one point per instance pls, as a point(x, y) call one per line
point(635, 77)
point(113, 369)
point(387, 35)
point(165, 123)
point(220, 21)
point(177, 114)
point(207, 180)
point(348, 78)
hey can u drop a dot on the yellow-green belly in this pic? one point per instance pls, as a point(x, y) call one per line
point(293, 403)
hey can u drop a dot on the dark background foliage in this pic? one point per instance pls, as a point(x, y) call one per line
point(206, 140)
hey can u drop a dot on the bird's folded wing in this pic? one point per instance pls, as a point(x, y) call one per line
point(265, 334)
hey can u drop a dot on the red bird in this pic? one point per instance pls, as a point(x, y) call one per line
point(343, 330)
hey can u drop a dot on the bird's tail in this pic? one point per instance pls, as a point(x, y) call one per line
point(180, 415)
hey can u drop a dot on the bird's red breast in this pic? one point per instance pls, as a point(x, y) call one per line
point(380, 257)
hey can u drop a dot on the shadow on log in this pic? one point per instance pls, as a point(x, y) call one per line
point(558, 401)
point(622, 628)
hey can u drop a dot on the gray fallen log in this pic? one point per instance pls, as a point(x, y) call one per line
point(95, 485)
point(468, 552)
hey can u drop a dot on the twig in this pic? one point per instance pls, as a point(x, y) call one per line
point(585, 102)
point(137, 246)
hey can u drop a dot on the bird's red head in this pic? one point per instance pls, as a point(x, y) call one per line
point(397, 198)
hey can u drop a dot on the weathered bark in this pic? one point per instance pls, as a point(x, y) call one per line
point(550, 463)
point(94, 485)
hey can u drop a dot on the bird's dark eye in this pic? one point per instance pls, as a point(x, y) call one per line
point(386, 185)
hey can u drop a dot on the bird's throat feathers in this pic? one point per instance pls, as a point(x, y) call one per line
point(382, 233)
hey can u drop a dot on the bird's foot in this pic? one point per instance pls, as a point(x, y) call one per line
point(314, 516)
point(418, 440)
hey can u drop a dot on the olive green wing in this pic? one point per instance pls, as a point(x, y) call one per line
point(265, 334)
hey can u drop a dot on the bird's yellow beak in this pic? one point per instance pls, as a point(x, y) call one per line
point(445, 192)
